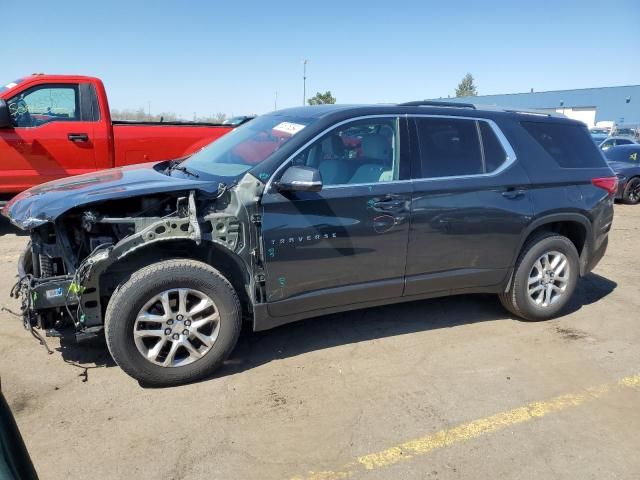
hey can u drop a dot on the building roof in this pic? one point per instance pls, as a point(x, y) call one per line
point(618, 104)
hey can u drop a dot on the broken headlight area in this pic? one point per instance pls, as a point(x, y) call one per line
point(73, 265)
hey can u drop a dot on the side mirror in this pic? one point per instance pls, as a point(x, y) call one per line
point(5, 117)
point(300, 179)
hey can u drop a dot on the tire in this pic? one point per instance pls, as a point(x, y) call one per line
point(25, 262)
point(132, 308)
point(518, 299)
point(631, 194)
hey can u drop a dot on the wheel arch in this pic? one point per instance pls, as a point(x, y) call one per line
point(575, 226)
point(229, 264)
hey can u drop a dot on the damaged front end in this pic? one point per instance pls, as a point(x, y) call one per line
point(76, 260)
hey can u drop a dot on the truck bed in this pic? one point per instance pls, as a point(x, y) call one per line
point(137, 142)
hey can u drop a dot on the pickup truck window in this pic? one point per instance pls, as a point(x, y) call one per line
point(44, 104)
point(247, 146)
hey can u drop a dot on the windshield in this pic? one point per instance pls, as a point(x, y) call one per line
point(246, 146)
point(7, 86)
point(623, 154)
point(599, 131)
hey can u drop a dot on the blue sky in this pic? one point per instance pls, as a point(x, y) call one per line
point(232, 56)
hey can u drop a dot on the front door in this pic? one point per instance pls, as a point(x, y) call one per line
point(346, 244)
point(469, 207)
point(49, 140)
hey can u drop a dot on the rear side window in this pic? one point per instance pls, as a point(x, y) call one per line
point(569, 145)
point(451, 147)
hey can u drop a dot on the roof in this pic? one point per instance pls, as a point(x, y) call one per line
point(343, 111)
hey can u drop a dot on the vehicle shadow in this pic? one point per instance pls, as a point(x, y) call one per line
point(258, 348)
point(86, 355)
point(7, 228)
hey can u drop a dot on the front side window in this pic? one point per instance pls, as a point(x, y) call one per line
point(44, 104)
point(359, 152)
point(452, 147)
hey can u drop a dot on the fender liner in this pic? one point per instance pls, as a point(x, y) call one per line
point(580, 218)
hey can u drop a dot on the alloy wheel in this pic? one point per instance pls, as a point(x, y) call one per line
point(176, 327)
point(548, 278)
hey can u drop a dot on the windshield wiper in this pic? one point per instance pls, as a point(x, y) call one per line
point(177, 165)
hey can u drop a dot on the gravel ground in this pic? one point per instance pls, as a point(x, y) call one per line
point(311, 398)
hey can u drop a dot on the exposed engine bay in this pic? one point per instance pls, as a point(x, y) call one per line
point(74, 263)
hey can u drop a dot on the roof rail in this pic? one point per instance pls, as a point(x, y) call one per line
point(433, 103)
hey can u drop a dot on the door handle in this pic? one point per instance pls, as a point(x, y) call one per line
point(78, 137)
point(389, 203)
point(512, 193)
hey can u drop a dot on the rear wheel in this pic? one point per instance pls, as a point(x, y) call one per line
point(172, 322)
point(545, 278)
point(631, 193)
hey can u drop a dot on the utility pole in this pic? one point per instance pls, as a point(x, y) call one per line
point(304, 82)
point(275, 102)
point(149, 109)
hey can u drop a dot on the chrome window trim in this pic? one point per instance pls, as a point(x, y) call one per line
point(510, 153)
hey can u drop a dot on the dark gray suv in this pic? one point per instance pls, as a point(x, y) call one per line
point(309, 211)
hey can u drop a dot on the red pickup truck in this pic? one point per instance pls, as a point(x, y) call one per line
point(53, 126)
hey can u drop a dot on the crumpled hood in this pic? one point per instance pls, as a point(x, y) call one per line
point(46, 202)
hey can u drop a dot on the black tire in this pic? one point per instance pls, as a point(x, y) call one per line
point(631, 194)
point(517, 299)
point(132, 295)
point(25, 262)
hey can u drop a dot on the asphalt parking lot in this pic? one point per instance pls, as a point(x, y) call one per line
point(438, 389)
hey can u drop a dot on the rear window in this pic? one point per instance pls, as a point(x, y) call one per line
point(569, 145)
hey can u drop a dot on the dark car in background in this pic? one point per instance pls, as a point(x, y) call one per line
point(625, 162)
point(15, 463)
point(237, 121)
point(310, 211)
point(616, 141)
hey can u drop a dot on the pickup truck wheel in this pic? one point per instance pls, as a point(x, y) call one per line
point(545, 277)
point(172, 322)
point(631, 194)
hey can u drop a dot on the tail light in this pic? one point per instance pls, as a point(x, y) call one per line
point(610, 184)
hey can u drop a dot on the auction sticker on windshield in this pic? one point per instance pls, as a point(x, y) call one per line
point(288, 127)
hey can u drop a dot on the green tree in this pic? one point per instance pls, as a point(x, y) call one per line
point(322, 98)
point(466, 88)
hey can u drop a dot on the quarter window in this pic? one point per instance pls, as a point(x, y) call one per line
point(568, 144)
point(363, 151)
point(494, 154)
point(44, 104)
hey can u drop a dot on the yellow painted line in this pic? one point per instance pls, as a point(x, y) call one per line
point(468, 431)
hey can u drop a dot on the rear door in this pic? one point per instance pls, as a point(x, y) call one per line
point(52, 135)
point(346, 244)
point(469, 207)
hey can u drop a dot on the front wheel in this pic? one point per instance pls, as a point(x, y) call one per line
point(545, 278)
point(172, 322)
